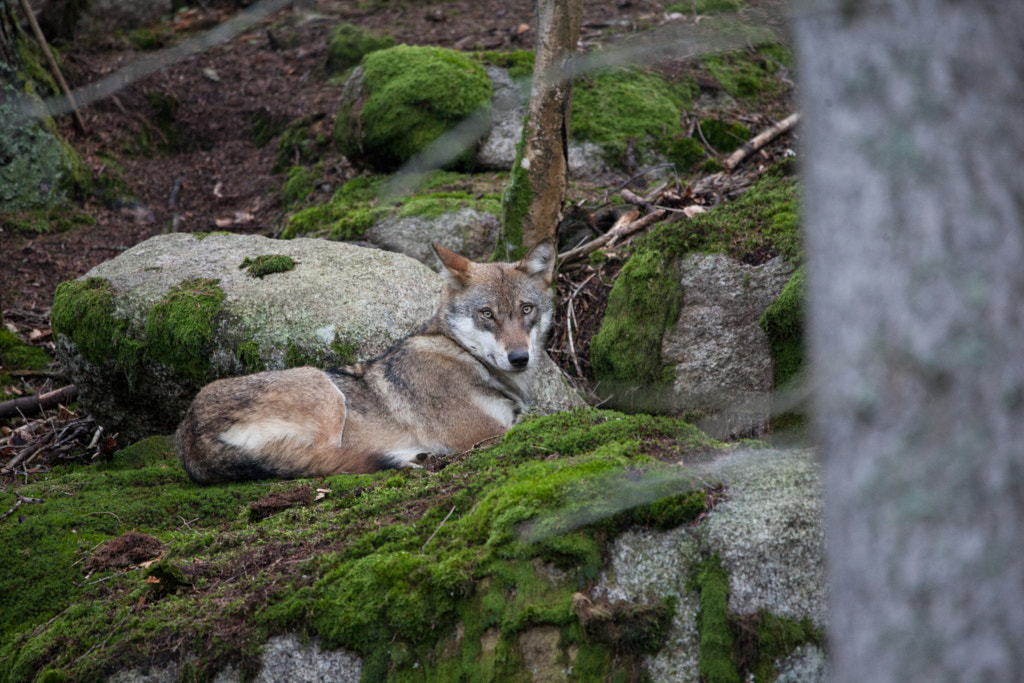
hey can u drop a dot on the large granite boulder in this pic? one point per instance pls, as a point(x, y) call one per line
point(141, 334)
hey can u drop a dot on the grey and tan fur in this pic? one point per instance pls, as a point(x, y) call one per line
point(465, 377)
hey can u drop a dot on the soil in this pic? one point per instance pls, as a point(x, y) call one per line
point(204, 171)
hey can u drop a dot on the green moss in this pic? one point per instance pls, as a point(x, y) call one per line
point(515, 205)
point(706, 6)
point(149, 39)
point(644, 303)
point(17, 355)
point(611, 107)
point(179, 328)
point(302, 141)
point(83, 311)
point(414, 95)
point(716, 642)
point(684, 153)
point(783, 322)
point(724, 136)
point(298, 186)
point(248, 354)
point(261, 266)
point(349, 44)
point(347, 353)
point(518, 62)
point(40, 221)
point(777, 639)
point(744, 75)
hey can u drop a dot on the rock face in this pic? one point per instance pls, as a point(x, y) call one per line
point(721, 356)
point(467, 231)
point(142, 333)
point(769, 535)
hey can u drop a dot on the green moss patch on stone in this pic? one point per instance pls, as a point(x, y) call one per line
point(378, 566)
point(248, 354)
point(716, 640)
point(783, 322)
point(349, 44)
point(268, 264)
point(613, 106)
point(357, 205)
point(83, 311)
point(414, 95)
point(179, 328)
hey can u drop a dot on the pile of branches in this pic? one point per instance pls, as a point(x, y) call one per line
point(61, 437)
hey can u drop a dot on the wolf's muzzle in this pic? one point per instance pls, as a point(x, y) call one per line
point(518, 359)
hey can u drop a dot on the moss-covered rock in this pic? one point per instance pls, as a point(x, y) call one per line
point(783, 322)
point(349, 44)
point(37, 170)
point(358, 205)
point(404, 98)
point(627, 353)
point(612, 107)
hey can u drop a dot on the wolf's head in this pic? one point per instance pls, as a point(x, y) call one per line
point(499, 312)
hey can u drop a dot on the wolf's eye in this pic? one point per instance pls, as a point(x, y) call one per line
point(527, 309)
point(486, 313)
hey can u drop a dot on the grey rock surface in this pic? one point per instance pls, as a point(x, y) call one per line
point(467, 231)
point(723, 364)
point(769, 534)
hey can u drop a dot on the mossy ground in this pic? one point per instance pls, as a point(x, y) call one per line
point(646, 299)
point(373, 567)
point(359, 203)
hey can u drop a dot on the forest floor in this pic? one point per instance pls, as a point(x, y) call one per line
point(206, 171)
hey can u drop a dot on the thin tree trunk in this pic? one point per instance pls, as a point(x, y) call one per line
point(532, 205)
point(915, 207)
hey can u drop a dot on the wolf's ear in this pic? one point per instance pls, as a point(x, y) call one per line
point(540, 261)
point(456, 267)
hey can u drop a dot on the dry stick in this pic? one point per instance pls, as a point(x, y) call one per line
point(53, 65)
point(438, 528)
point(30, 405)
point(760, 140)
point(636, 226)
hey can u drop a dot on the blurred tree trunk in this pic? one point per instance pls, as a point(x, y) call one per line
point(35, 166)
point(915, 219)
point(532, 205)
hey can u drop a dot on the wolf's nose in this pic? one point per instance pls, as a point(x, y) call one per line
point(519, 358)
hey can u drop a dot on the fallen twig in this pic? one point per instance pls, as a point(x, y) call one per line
point(30, 405)
point(438, 528)
point(760, 140)
point(76, 115)
point(17, 504)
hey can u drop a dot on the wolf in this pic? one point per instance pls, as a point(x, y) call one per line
point(464, 377)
